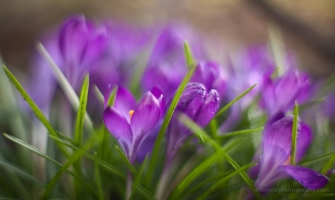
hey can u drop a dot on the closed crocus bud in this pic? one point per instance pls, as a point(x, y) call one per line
point(196, 103)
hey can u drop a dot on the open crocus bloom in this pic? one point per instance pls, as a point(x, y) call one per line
point(199, 105)
point(131, 127)
point(275, 159)
point(279, 95)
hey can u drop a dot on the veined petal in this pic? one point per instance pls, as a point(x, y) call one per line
point(307, 177)
point(146, 116)
point(118, 126)
point(209, 108)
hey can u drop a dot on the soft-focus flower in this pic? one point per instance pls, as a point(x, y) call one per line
point(130, 125)
point(199, 105)
point(278, 96)
point(167, 64)
point(275, 157)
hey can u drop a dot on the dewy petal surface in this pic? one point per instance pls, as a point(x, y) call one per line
point(146, 116)
point(307, 177)
point(118, 126)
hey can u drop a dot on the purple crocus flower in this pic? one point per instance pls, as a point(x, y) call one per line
point(275, 158)
point(166, 67)
point(278, 96)
point(199, 105)
point(130, 127)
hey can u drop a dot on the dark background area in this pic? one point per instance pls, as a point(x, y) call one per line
point(307, 26)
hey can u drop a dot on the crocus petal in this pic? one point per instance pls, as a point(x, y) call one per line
point(118, 126)
point(308, 178)
point(304, 140)
point(209, 109)
point(146, 116)
point(94, 50)
point(124, 101)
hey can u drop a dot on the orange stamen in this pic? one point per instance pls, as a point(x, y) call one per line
point(131, 112)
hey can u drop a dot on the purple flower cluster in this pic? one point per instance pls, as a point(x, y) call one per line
point(108, 53)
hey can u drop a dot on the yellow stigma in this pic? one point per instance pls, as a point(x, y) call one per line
point(288, 161)
point(131, 112)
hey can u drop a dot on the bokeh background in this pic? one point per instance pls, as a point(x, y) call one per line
point(306, 26)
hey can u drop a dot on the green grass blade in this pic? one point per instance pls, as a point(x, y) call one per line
point(98, 94)
point(112, 96)
point(64, 83)
point(241, 132)
point(294, 134)
point(201, 133)
point(97, 175)
point(125, 159)
point(190, 61)
point(35, 108)
point(138, 177)
point(220, 182)
point(328, 165)
point(81, 112)
point(315, 196)
point(38, 152)
point(75, 156)
point(172, 107)
point(194, 174)
point(315, 158)
point(222, 110)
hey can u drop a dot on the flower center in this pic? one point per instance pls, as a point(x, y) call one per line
point(131, 112)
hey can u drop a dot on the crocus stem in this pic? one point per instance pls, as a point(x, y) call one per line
point(128, 187)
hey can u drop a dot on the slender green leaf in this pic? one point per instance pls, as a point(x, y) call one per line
point(38, 152)
point(81, 112)
point(125, 159)
point(198, 131)
point(168, 116)
point(294, 134)
point(194, 174)
point(138, 177)
point(190, 62)
point(35, 108)
point(315, 158)
point(220, 182)
point(328, 165)
point(63, 82)
point(222, 110)
point(97, 175)
point(241, 132)
point(112, 96)
point(75, 156)
point(98, 94)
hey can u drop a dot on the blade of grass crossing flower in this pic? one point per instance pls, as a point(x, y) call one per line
point(97, 175)
point(294, 134)
point(75, 156)
point(35, 108)
point(138, 177)
point(81, 112)
point(222, 110)
point(112, 96)
point(198, 130)
point(220, 182)
point(38, 152)
point(241, 132)
point(188, 55)
point(328, 165)
point(98, 94)
point(214, 127)
point(125, 159)
point(63, 82)
point(169, 114)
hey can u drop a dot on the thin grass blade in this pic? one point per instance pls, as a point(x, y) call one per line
point(241, 132)
point(294, 134)
point(97, 175)
point(125, 159)
point(35, 108)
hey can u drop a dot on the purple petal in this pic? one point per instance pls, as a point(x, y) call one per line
point(308, 178)
point(124, 101)
point(209, 108)
point(146, 116)
point(304, 140)
point(118, 126)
